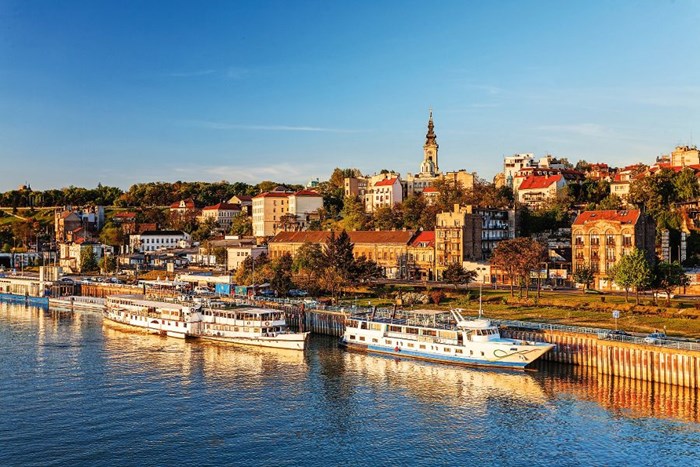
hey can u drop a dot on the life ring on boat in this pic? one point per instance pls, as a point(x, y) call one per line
point(397, 349)
point(267, 323)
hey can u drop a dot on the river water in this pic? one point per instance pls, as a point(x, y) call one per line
point(76, 392)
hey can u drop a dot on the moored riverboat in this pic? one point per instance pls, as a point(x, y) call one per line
point(427, 335)
point(155, 317)
point(250, 326)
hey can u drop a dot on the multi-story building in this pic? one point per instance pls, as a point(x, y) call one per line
point(237, 254)
point(622, 180)
point(457, 238)
point(221, 213)
point(71, 225)
point(514, 164)
point(388, 248)
point(244, 201)
point(282, 210)
point(685, 155)
point(600, 238)
point(384, 193)
point(421, 256)
point(356, 186)
point(497, 225)
point(537, 189)
point(304, 206)
point(269, 209)
point(154, 240)
point(71, 254)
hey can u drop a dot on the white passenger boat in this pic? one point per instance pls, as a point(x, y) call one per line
point(420, 334)
point(250, 326)
point(155, 317)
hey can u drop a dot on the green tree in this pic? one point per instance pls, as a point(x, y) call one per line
point(517, 257)
point(281, 281)
point(241, 225)
point(455, 274)
point(686, 185)
point(88, 260)
point(108, 263)
point(353, 213)
point(338, 260)
point(669, 276)
point(632, 270)
point(221, 255)
point(111, 235)
point(584, 275)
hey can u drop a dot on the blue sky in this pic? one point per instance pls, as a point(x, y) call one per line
point(122, 92)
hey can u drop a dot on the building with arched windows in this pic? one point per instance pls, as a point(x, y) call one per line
point(600, 238)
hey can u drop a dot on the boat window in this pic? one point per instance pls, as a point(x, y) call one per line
point(482, 354)
point(410, 345)
point(458, 351)
point(387, 342)
point(395, 328)
point(353, 338)
point(422, 347)
point(363, 325)
point(375, 340)
point(411, 330)
point(429, 332)
point(362, 338)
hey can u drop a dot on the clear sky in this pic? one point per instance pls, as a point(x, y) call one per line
point(127, 91)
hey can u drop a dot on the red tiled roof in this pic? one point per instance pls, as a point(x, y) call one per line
point(125, 215)
point(430, 189)
point(629, 216)
point(534, 182)
point(358, 236)
point(189, 204)
point(222, 207)
point(427, 236)
point(386, 182)
point(307, 193)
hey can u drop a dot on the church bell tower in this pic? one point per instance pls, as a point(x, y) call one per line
point(430, 151)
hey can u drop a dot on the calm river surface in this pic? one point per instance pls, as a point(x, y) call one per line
point(75, 392)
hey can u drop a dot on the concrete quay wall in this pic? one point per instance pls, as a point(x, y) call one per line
point(630, 360)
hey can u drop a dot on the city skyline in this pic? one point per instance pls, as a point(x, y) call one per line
point(127, 93)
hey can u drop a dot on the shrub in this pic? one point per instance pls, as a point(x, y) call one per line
point(437, 296)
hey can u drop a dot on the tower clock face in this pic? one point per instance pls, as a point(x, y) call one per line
point(430, 152)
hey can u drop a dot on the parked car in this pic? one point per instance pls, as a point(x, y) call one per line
point(267, 293)
point(655, 338)
point(593, 291)
point(297, 293)
point(663, 295)
point(616, 333)
point(548, 287)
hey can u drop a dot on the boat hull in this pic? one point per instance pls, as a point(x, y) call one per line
point(147, 329)
point(519, 363)
point(297, 343)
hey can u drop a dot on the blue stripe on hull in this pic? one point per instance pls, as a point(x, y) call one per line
point(436, 358)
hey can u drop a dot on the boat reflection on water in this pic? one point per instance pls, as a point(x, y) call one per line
point(454, 385)
point(624, 396)
point(226, 363)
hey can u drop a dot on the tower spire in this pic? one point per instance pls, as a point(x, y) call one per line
point(430, 136)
